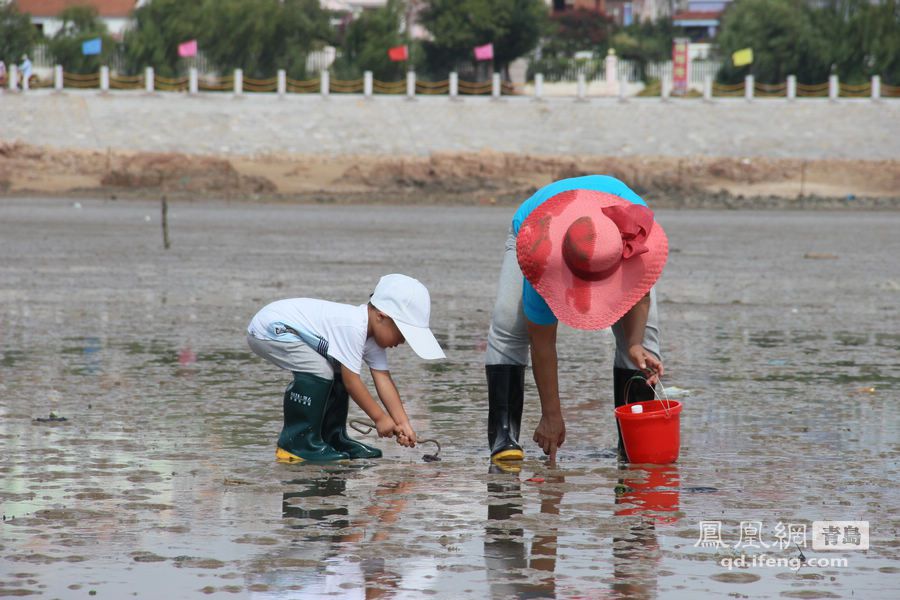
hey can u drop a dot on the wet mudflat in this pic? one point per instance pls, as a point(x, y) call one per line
point(162, 480)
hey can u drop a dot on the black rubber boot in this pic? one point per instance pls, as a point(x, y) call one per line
point(305, 403)
point(638, 391)
point(506, 393)
point(334, 425)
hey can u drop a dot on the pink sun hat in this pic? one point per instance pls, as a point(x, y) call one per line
point(591, 256)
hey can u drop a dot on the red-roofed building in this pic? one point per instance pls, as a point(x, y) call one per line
point(45, 13)
point(700, 18)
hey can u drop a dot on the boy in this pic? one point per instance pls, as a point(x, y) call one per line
point(324, 345)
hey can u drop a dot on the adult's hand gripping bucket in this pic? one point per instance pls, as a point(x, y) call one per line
point(653, 435)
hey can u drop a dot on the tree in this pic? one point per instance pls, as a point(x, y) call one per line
point(17, 34)
point(853, 39)
point(79, 24)
point(645, 42)
point(159, 27)
point(366, 43)
point(262, 36)
point(512, 26)
point(864, 38)
point(258, 36)
point(784, 39)
point(577, 30)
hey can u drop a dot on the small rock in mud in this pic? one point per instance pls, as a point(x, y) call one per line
point(52, 418)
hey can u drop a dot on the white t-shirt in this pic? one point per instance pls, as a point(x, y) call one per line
point(332, 329)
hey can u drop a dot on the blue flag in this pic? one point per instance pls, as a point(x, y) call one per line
point(89, 47)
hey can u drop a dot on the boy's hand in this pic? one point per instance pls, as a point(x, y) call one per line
point(385, 426)
point(647, 362)
point(405, 435)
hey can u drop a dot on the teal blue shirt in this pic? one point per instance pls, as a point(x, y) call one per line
point(536, 309)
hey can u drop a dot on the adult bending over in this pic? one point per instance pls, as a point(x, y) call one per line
point(585, 251)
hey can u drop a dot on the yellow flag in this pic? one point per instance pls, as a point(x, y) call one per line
point(742, 57)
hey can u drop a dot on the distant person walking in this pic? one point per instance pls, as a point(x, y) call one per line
point(2, 73)
point(25, 69)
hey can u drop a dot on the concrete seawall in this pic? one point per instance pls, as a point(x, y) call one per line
point(384, 126)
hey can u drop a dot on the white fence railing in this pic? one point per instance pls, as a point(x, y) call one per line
point(319, 60)
point(627, 70)
point(699, 71)
point(316, 61)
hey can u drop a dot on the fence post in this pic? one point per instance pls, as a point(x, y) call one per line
point(454, 85)
point(876, 87)
point(282, 82)
point(193, 81)
point(149, 80)
point(368, 84)
point(707, 88)
point(834, 87)
point(238, 82)
point(13, 77)
point(538, 86)
point(410, 85)
point(665, 91)
point(748, 87)
point(104, 78)
point(791, 87)
point(325, 83)
point(495, 86)
point(581, 89)
point(58, 79)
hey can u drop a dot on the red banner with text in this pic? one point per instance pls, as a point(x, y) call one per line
point(681, 66)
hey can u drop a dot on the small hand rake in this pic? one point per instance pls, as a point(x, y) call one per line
point(366, 427)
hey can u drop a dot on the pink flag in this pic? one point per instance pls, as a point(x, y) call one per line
point(485, 52)
point(188, 48)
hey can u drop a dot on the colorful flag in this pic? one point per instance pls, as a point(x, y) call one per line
point(485, 52)
point(743, 57)
point(398, 53)
point(91, 47)
point(187, 49)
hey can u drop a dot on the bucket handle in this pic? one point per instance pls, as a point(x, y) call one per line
point(664, 399)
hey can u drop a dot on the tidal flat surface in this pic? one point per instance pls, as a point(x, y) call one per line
point(162, 482)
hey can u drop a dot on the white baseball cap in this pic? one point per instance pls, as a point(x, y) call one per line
point(408, 303)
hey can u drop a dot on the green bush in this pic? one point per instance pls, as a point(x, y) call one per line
point(79, 24)
point(17, 35)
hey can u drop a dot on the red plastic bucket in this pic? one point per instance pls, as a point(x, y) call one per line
point(654, 435)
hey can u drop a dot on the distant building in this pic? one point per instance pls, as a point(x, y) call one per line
point(623, 12)
point(700, 18)
point(353, 6)
point(45, 13)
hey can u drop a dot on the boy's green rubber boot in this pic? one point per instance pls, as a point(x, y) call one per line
point(305, 403)
point(334, 425)
point(506, 394)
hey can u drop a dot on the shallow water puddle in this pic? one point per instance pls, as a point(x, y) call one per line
point(162, 481)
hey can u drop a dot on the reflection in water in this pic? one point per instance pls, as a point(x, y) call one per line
point(347, 567)
point(294, 507)
point(652, 493)
point(505, 553)
point(650, 490)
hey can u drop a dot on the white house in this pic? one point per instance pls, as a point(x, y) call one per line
point(45, 13)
